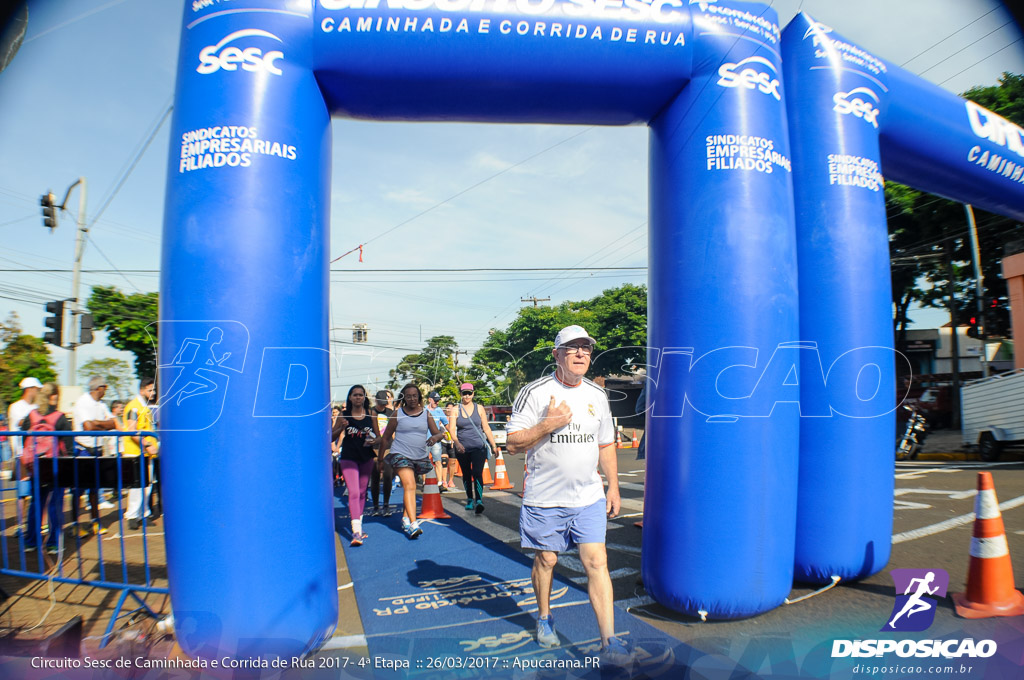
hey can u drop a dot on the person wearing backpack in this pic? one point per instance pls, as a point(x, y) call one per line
point(38, 450)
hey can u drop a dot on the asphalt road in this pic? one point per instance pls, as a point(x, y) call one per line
point(934, 505)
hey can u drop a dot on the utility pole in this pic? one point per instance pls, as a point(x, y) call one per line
point(979, 288)
point(535, 300)
point(455, 362)
point(955, 346)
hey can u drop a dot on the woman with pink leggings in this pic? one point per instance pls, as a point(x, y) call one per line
point(359, 432)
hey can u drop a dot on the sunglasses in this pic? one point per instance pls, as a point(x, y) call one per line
point(467, 392)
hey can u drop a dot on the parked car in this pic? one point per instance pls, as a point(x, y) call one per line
point(500, 435)
point(936, 405)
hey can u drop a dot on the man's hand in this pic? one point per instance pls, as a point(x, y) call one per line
point(557, 417)
point(612, 502)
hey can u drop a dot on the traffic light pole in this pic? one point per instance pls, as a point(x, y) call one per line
point(979, 287)
point(77, 272)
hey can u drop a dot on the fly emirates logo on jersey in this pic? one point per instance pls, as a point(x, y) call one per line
point(573, 434)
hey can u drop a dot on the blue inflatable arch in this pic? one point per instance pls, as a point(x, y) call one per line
point(244, 289)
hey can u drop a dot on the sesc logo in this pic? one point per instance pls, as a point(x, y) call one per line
point(851, 103)
point(227, 57)
point(730, 75)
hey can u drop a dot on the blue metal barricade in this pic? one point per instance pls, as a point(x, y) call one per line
point(36, 541)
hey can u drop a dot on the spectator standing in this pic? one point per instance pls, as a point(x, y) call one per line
point(16, 413)
point(37, 451)
point(471, 435)
point(90, 414)
point(139, 417)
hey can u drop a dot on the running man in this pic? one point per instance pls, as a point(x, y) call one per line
point(915, 604)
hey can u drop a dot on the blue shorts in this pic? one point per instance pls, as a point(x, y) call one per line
point(437, 451)
point(557, 529)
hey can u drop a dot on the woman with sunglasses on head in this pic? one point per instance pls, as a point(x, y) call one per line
point(409, 428)
point(357, 455)
point(470, 436)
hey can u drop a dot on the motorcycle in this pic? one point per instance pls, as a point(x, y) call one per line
point(916, 431)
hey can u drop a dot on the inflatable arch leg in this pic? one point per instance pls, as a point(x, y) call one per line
point(249, 534)
point(720, 490)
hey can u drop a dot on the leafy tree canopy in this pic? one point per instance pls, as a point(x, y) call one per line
point(21, 356)
point(920, 226)
point(130, 322)
point(116, 372)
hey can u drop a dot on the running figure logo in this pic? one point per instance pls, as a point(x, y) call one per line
point(197, 376)
point(914, 610)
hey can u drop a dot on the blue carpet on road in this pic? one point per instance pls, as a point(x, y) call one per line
point(459, 598)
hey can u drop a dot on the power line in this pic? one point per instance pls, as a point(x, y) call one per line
point(470, 188)
point(942, 61)
point(980, 60)
point(949, 36)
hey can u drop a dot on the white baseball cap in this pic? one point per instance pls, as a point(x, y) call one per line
point(570, 333)
point(29, 382)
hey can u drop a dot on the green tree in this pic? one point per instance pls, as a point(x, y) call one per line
point(116, 372)
point(21, 356)
point(130, 322)
point(920, 226)
point(617, 319)
point(431, 369)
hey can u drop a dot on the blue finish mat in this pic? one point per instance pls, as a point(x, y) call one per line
point(456, 602)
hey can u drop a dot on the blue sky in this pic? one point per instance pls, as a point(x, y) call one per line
point(94, 78)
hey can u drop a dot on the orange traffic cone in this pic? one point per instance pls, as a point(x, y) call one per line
point(618, 437)
point(501, 480)
point(432, 507)
point(636, 442)
point(990, 587)
point(487, 479)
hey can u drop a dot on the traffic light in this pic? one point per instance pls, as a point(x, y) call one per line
point(85, 330)
point(976, 326)
point(49, 210)
point(55, 322)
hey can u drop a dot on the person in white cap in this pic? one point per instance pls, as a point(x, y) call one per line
point(563, 422)
point(16, 414)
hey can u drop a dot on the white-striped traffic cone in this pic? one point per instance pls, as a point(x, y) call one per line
point(990, 588)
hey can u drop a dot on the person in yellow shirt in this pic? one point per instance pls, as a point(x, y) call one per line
point(139, 416)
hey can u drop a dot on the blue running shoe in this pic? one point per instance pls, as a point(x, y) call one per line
point(546, 635)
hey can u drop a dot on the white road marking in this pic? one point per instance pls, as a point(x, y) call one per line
point(951, 523)
point(632, 486)
point(909, 505)
point(952, 495)
point(571, 563)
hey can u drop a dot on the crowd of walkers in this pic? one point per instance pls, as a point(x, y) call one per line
point(410, 439)
point(41, 499)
